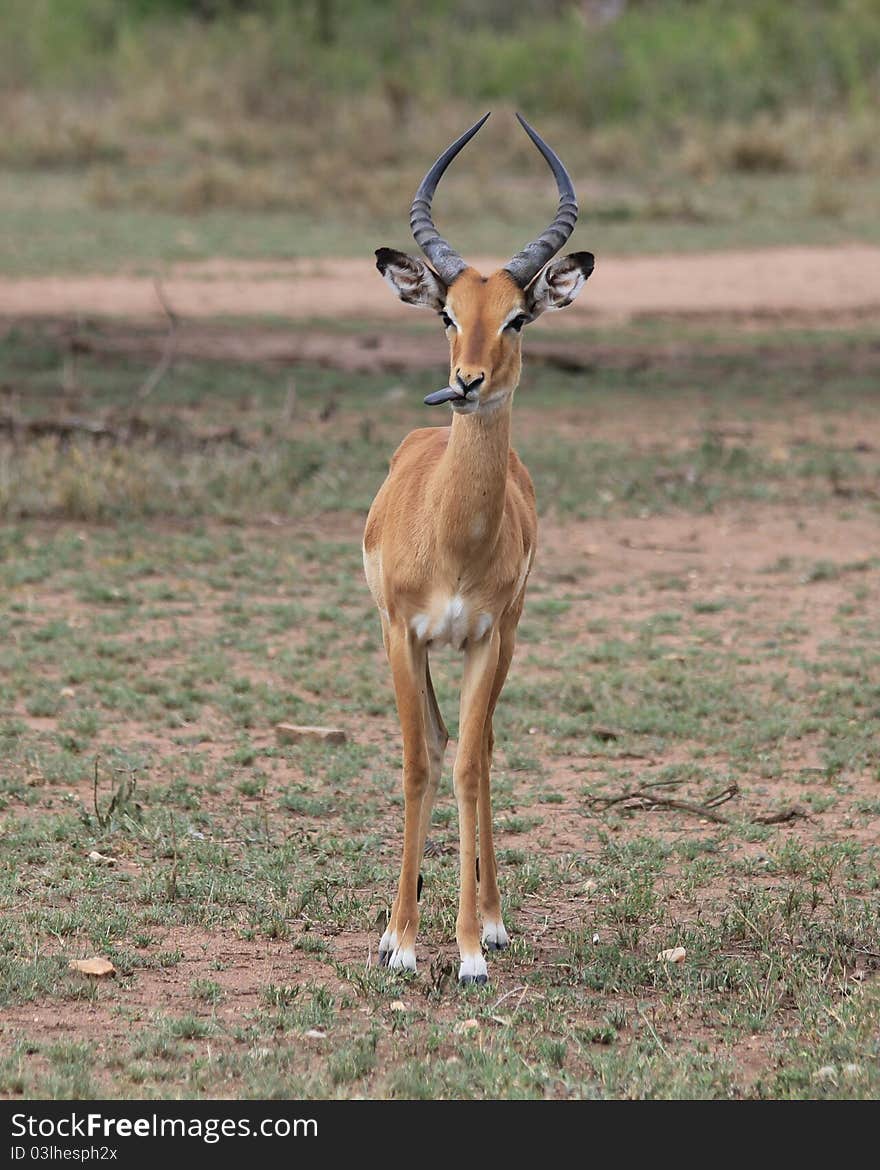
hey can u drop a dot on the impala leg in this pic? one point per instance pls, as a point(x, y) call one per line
point(481, 663)
point(437, 737)
point(494, 934)
point(408, 669)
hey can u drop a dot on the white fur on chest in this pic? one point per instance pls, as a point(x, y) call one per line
point(451, 622)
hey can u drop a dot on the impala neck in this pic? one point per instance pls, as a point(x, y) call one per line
point(471, 480)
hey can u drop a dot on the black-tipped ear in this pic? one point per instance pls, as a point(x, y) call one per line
point(388, 256)
point(560, 282)
point(412, 279)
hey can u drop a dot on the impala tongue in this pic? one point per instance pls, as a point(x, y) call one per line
point(447, 394)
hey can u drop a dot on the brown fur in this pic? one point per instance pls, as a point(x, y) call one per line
point(480, 305)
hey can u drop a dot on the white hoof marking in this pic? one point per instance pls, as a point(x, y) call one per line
point(387, 946)
point(495, 936)
point(402, 959)
point(473, 969)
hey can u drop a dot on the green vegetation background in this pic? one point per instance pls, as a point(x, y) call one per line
point(136, 131)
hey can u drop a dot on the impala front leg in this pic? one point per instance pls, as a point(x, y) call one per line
point(408, 663)
point(495, 936)
point(481, 663)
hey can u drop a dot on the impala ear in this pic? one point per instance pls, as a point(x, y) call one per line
point(412, 279)
point(559, 283)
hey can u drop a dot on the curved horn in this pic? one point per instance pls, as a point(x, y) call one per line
point(526, 265)
point(441, 254)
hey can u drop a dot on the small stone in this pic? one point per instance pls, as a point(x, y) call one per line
point(293, 733)
point(466, 1026)
point(98, 967)
point(675, 955)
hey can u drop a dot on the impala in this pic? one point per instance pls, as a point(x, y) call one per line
point(450, 539)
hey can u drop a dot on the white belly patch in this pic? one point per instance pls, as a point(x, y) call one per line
point(451, 623)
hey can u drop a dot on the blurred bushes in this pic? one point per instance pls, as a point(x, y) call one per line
point(198, 97)
point(659, 60)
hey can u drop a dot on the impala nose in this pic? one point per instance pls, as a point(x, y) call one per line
point(468, 383)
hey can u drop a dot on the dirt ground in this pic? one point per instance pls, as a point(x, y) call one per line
point(627, 563)
point(730, 553)
point(824, 285)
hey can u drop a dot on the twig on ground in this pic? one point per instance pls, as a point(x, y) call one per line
point(643, 799)
point(63, 427)
point(507, 995)
point(162, 367)
point(133, 427)
point(779, 818)
point(649, 546)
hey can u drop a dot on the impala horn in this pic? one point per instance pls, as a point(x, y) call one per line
point(526, 265)
point(442, 255)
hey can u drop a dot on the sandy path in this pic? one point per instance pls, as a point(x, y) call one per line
point(821, 284)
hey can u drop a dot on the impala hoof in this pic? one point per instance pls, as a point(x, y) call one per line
point(495, 936)
point(403, 959)
point(387, 947)
point(473, 969)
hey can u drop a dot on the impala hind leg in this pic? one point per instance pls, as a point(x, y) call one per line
point(437, 737)
point(481, 664)
point(495, 936)
point(409, 673)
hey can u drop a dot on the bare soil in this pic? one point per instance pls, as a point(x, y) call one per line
point(816, 285)
point(733, 553)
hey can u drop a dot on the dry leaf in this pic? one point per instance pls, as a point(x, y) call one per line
point(675, 955)
point(97, 966)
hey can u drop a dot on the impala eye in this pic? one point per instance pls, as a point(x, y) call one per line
point(517, 323)
point(447, 321)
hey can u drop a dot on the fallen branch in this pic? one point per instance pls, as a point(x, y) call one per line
point(649, 546)
point(62, 427)
point(787, 814)
point(131, 428)
point(643, 799)
point(162, 367)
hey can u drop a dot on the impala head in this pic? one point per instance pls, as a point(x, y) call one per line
point(484, 316)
